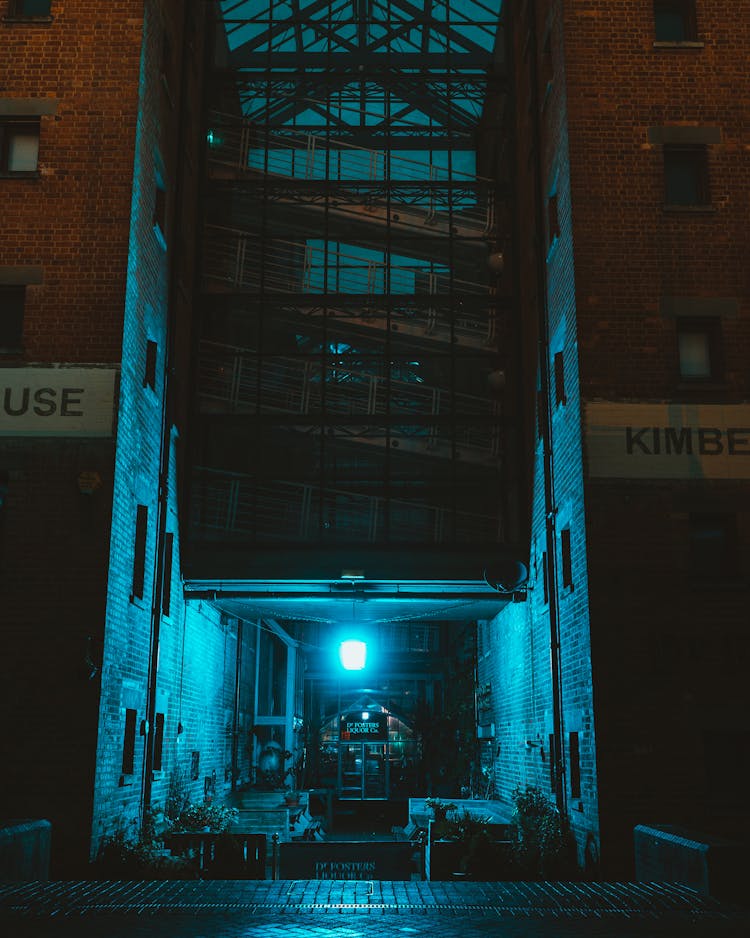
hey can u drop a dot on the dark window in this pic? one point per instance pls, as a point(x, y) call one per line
point(128, 746)
point(686, 175)
point(149, 375)
point(559, 366)
point(19, 147)
point(30, 8)
point(166, 596)
point(545, 574)
point(567, 562)
point(195, 763)
point(698, 344)
point(12, 302)
point(713, 547)
point(139, 556)
point(158, 741)
point(674, 20)
point(540, 414)
point(553, 220)
point(574, 756)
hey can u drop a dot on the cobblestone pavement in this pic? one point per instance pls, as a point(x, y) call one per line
point(336, 909)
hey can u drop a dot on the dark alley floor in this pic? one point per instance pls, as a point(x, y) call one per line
point(337, 909)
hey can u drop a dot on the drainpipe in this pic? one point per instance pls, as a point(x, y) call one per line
point(236, 714)
point(545, 417)
point(166, 431)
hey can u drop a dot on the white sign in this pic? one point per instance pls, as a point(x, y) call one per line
point(57, 401)
point(668, 441)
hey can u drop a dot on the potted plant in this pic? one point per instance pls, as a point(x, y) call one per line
point(439, 808)
point(216, 818)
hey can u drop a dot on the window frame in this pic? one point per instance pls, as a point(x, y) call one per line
point(722, 568)
point(7, 126)
point(686, 10)
point(711, 328)
point(17, 302)
point(16, 12)
point(697, 155)
point(139, 552)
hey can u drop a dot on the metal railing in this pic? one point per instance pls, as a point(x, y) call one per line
point(241, 381)
point(226, 503)
point(241, 260)
point(248, 147)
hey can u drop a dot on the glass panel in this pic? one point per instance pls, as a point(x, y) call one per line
point(374, 770)
point(23, 151)
point(351, 770)
point(695, 355)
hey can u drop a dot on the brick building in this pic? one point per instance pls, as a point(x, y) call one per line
point(102, 661)
point(632, 184)
point(242, 374)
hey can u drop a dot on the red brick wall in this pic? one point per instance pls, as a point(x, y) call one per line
point(73, 220)
point(629, 249)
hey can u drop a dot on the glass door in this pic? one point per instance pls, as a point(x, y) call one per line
point(351, 770)
point(375, 771)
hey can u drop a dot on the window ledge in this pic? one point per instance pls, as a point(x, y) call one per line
point(689, 209)
point(681, 44)
point(701, 384)
point(29, 20)
point(30, 174)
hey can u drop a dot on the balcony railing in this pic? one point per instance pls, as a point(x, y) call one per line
point(233, 379)
point(238, 260)
point(224, 503)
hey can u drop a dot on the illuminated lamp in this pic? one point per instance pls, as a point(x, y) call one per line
point(352, 654)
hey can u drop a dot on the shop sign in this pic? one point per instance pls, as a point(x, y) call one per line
point(57, 401)
point(356, 729)
point(347, 860)
point(668, 441)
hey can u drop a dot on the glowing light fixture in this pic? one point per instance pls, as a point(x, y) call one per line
point(353, 654)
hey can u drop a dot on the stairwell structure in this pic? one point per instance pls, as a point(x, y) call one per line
point(353, 359)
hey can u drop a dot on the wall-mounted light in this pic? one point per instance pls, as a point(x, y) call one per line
point(353, 654)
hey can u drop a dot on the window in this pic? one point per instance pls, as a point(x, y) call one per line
point(686, 175)
point(30, 8)
point(19, 146)
point(139, 556)
point(128, 746)
point(574, 757)
point(559, 366)
point(149, 374)
point(540, 414)
point(698, 349)
point(713, 547)
point(12, 303)
point(674, 21)
point(567, 560)
point(158, 742)
point(166, 596)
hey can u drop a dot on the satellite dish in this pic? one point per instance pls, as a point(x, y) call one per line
point(506, 576)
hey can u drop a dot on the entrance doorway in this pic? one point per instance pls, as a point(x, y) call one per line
point(371, 750)
point(364, 771)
